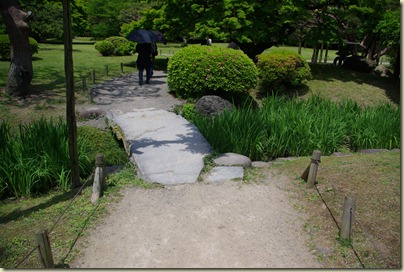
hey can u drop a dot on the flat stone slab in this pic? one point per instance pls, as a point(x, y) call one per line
point(223, 173)
point(166, 148)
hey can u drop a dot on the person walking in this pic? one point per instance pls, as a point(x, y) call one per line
point(154, 53)
point(144, 61)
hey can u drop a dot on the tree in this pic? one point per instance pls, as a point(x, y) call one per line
point(104, 16)
point(20, 73)
point(48, 22)
point(254, 25)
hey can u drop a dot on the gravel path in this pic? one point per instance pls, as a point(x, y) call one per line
point(223, 225)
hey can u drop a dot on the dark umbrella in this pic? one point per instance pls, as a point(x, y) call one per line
point(143, 36)
point(160, 36)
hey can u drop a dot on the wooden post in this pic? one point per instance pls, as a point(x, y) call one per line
point(99, 178)
point(93, 76)
point(348, 217)
point(121, 67)
point(84, 80)
point(44, 249)
point(315, 160)
point(106, 69)
point(70, 97)
point(161, 52)
point(90, 96)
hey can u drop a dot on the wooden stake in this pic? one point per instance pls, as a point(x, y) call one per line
point(44, 249)
point(93, 76)
point(315, 160)
point(348, 218)
point(84, 81)
point(99, 179)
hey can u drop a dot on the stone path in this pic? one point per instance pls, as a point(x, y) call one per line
point(166, 148)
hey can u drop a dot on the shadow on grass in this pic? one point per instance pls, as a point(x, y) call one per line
point(17, 214)
point(329, 72)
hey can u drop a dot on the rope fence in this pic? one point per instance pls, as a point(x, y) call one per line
point(42, 237)
point(349, 216)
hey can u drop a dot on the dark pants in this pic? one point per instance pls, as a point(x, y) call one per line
point(141, 67)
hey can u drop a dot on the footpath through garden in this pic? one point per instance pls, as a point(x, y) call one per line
point(214, 222)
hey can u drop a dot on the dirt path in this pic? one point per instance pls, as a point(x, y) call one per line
point(226, 225)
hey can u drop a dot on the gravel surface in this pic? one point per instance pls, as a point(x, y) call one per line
point(230, 224)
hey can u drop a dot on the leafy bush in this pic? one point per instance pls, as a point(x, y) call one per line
point(281, 68)
point(197, 70)
point(188, 110)
point(106, 48)
point(102, 142)
point(120, 46)
point(125, 49)
point(5, 46)
point(116, 40)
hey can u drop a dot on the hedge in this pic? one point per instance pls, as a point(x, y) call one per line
point(197, 70)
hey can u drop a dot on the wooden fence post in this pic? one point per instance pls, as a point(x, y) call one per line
point(84, 80)
point(93, 76)
point(99, 178)
point(44, 249)
point(121, 67)
point(348, 217)
point(315, 160)
point(90, 96)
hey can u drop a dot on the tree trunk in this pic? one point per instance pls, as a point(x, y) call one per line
point(252, 49)
point(70, 100)
point(397, 68)
point(20, 72)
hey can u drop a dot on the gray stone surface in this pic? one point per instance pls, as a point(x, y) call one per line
point(212, 105)
point(223, 173)
point(166, 148)
point(232, 159)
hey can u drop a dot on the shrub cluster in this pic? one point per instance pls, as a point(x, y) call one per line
point(280, 69)
point(115, 45)
point(284, 127)
point(5, 46)
point(198, 70)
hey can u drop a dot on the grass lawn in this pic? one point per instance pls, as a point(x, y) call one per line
point(374, 179)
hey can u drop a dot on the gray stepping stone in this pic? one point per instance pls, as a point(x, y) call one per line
point(223, 173)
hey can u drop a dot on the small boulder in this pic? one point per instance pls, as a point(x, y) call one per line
point(91, 113)
point(232, 159)
point(212, 105)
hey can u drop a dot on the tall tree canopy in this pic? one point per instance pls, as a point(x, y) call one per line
point(253, 24)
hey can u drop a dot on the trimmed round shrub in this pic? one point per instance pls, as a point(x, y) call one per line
point(117, 40)
point(5, 46)
point(125, 49)
point(198, 70)
point(106, 48)
point(282, 68)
